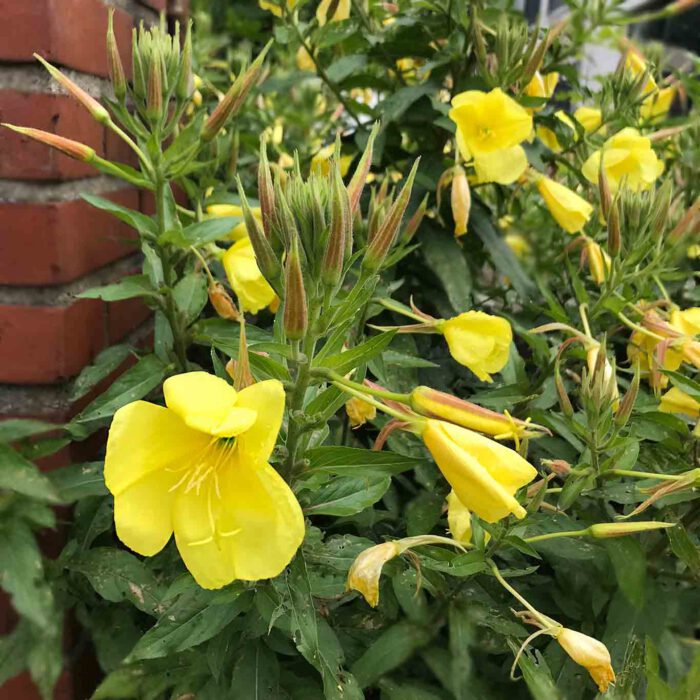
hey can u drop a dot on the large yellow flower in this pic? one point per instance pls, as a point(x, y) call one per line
point(628, 158)
point(199, 468)
point(244, 276)
point(223, 210)
point(542, 86)
point(478, 341)
point(483, 473)
point(570, 211)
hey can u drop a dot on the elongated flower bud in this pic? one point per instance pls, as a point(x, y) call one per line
point(604, 189)
point(614, 233)
point(264, 255)
point(222, 302)
point(359, 178)
point(266, 192)
point(138, 70)
point(536, 59)
point(334, 255)
point(605, 530)
point(116, 68)
point(416, 219)
point(97, 111)
point(184, 80)
point(71, 148)
point(383, 240)
point(564, 400)
point(461, 200)
point(296, 319)
point(154, 98)
point(628, 400)
point(234, 98)
point(662, 204)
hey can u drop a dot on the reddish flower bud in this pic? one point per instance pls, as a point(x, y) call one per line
point(359, 178)
point(116, 68)
point(296, 320)
point(71, 148)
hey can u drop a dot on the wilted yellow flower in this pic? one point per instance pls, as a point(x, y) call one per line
point(459, 519)
point(366, 570)
point(244, 276)
point(339, 10)
point(275, 6)
point(629, 159)
point(590, 118)
point(460, 199)
point(359, 411)
point(570, 211)
point(549, 138)
point(239, 230)
point(321, 162)
point(541, 86)
point(589, 653)
point(478, 341)
point(598, 261)
point(199, 468)
point(483, 473)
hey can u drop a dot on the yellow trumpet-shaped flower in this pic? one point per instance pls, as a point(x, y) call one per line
point(590, 118)
point(199, 468)
point(627, 158)
point(589, 653)
point(570, 211)
point(542, 86)
point(332, 11)
point(359, 411)
point(675, 400)
point(275, 6)
point(244, 276)
point(489, 122)
point(478, 341)
point(483, 474)
point(239, 231)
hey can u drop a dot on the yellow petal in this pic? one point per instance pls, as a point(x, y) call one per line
point(459, 519)
point(145, 438)
point(341, 12)
point(207, 403)
point(267, 399)
point(677, 401)
point(687, 321)
point(251, 288)
point(589, 653)
point(366, 570)
point(590, 118)
point(504, 166)
point(570, 211)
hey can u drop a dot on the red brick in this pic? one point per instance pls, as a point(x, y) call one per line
point(68, 32)
point(57, 242)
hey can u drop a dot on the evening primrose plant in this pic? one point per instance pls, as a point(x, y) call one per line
point(416, 413)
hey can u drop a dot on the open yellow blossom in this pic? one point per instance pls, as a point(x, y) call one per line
point(628, 158)
point(570, 211)
point(321, 162)
point(332, 11)
point(478, 341)
point(275, 6)
point(598, 261)
point(589, 653)
point(244, 276)
point(658, 104)
point(483, 473)
point(199, 468)
point(359, 411)
point(675, 400)
point(239, 230)
point(503, 167)
point(549, 138)
point(542, 86)
point(590, 118)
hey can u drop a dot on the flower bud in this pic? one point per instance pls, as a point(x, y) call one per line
point(116, 68)
point(614, 235)
point(416, 219)
point(234, 98)
point(598, 261)
point(359, 178)
point(154, 97)
point(97, 111)
point(589, 653)
point(334, 255)
point(461, 200)
point(265, 188)
point(138, 71)
point(242, 376)
point(383, 240)
point(662, 204)
point(564, 401)
point(605, 530)
point(184, 80)
point(560, 467)
point(604, 189)
point(296, 319)
point(222, 302)
point(624, 411)
point(71, 148)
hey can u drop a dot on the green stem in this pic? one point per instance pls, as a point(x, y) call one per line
point(645, 475)
point(545, 621)
point(555, 535)
point(377, 404)
point(379, 393)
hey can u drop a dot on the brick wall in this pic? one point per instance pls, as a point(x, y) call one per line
point(52, 243)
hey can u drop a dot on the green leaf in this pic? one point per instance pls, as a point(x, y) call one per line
point(396, 104)
point(20, 428)
point(14, 650)
point(684, 548)
point(190, 295)
point(630, 566)
point(444, 256)
point(135, 219)
point(345, 66)
point(22, 574)
point(537, 675)
point(117, 575)
point(256, 673)
point(134, 384)
point(343, 362)
point(347, 495)
point(686, 384)
point(78, 481)
point(126, 288)
point(209, 230)
point(22, 476)
point(352, 461)
point(393, 648)
point(105, 363)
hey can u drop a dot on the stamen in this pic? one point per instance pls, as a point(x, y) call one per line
point(199, 543)
point(231, 533)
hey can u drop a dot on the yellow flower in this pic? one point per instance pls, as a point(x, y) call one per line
point(589, 653)
point(244, 276)
point(598, 261)
point(239, 231)
point(199, 468)
point(460, 200)
point(503, 167)
point(687, 321)
point(549, 138)
point(359, 411)
point(304, 60)
point(275, 6)
point(484, 474)
point(321, 162)
point(590, 118)
point(677, 401)
point(340, 11)
point(490, 121)
point(657, 105)
point(570, 211)
point(478, 341)
point(459, 519)
point(366, 570)
point(518, 244)
point(693, 251)
point(629, 158)
point(542, 86)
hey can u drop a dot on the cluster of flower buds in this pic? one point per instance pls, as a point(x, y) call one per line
point(304, 240)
